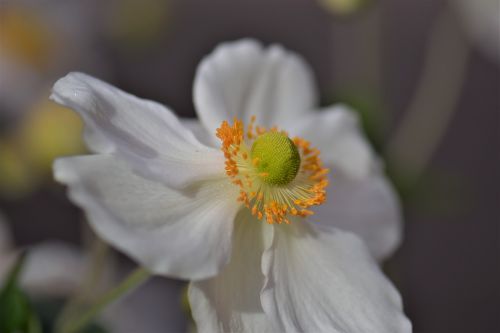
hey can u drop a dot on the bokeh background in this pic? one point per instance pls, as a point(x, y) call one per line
point(424, 76)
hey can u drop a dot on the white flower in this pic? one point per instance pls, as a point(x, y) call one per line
point(480, 22)
point(174, 202)
point(52, 268)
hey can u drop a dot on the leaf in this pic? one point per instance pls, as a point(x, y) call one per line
point(16, 314)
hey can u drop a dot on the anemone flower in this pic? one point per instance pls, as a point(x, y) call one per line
point(229, 202)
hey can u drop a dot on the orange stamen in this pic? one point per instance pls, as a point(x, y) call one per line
point(274, 203)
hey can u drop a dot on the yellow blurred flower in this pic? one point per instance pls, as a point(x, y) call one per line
point(24, 37)
point(48, 130)
point(39, 40)
point(137, 24)
point(14, 177)
point(342, 7)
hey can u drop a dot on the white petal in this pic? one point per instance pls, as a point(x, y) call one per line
point(144, 133)
point(368, 208)
point(480, 21)
point(243, 79)
point(360, 199)
point(335, 131)
point(230, 302)
point(53, 269)
point(184, 234)
point(201, 133)
point(321, 280)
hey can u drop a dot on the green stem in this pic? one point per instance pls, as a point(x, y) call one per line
point(136, 278)
point(429, 114)
point(99, 257)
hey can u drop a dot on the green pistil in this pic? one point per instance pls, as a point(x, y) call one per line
point(278, 158)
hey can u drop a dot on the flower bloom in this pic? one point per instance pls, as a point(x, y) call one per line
point(237, 202)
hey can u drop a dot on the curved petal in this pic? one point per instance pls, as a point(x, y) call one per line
point(144, 133)
point(241, 79)
point(230, 302)
point(324, 280)
point(369, 208)
point(201, 133)
point(335, 131)
point(360, 198)
point(184, 234)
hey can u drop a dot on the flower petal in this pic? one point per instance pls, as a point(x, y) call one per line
point(230, 302)
point(201, 133)
point(53, 269)
point(336, 133)
point(324, 280)
point(184, 234)
point(241, 79)
point(368, 207)
point(144, 133)
point(360, 198)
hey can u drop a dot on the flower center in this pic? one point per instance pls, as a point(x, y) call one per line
point(278, 158)
point(278, 177)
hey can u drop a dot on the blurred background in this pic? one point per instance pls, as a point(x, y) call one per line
point(424, 76)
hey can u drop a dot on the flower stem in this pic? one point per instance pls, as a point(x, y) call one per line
point(136, 278)
point(99, 257)
point(431, 109)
